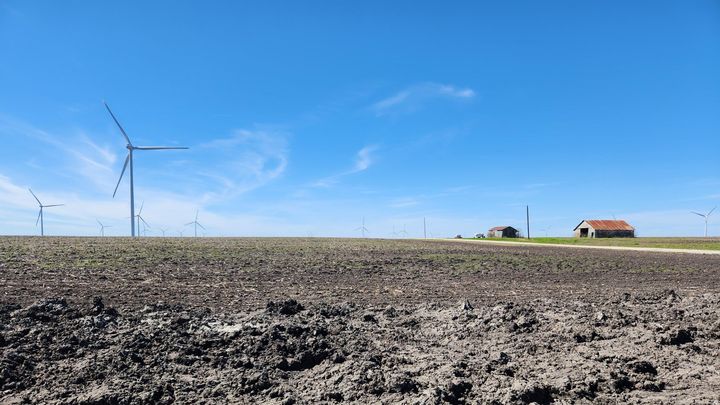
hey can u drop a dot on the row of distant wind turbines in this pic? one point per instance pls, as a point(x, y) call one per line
point(396, 234)
point(129, 161)
point(146, 225)
point(139, 219)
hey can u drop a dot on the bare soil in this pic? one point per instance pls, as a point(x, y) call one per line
point(90, 321)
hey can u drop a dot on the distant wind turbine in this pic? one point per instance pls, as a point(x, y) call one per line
point(140, 218)
point(706, 217)
point(362, 229)
point(196, 223)
point(403, 232)
point(163, 230)
point(102, 227)
point(40, 215)
point(129, 160)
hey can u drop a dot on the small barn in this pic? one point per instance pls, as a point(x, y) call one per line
point(503, 232)
point(604, 228)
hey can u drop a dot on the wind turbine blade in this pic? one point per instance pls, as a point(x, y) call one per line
point(127, 159)
point(141, 207)
point(196, 214)
point(698, 214)
point(98, 221)
point(143, 221)
point(201, 226)
point(38, 219)
point(189, 223)
point(711, 211)
point(118, 124)
point(159, 147)
point(53, 205)
point(36, 199)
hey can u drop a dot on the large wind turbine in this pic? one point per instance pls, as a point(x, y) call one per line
point(102, 227)
point(362, 229)
point(129, 160)
point(705, 216)
point(196, 223)
point(40, 215)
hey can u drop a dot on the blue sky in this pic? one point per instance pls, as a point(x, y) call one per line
point(305, 117)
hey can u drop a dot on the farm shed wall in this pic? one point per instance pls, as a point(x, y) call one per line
point(510, 232)
point(614, 234)
point(584, 230)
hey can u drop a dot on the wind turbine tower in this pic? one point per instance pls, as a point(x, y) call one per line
point(129, 161)
point(196, 223)
point(40, 215)
point(705, 216)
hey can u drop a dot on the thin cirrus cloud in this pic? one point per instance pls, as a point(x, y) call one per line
point(414, 97)
point(216, 171)
point(79, 154)
point(404, 202)
point(211, 173)
point(244, 161)
point(364, 158)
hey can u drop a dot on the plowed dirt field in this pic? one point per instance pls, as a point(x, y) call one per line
point(152, 320)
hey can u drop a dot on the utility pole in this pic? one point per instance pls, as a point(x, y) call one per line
point(527, 219)
point(424, 228)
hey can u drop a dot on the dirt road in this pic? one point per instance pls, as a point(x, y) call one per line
point(621, 248)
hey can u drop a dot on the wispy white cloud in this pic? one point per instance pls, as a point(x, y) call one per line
point(12, 194)
point(404, 202)
point(224, 167)
point(162, 209)
point(411, 98)
point(244, 161)
point(364, 158)
point(537, 186)
point(66, 162)
point(79, 154)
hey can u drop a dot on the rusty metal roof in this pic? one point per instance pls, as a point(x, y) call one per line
point(608, 225)
point(500, 228)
